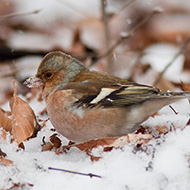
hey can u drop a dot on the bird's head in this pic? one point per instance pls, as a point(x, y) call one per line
point(56, 69)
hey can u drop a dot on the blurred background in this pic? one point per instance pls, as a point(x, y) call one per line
point(145, 41)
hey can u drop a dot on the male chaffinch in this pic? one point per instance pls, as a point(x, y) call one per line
point(85, 105)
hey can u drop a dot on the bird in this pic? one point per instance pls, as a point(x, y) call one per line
point(84, 105)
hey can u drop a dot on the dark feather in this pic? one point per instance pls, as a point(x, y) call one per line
point(123, 95)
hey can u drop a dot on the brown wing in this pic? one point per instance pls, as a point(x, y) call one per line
point(92, 94)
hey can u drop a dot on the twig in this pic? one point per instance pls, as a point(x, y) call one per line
point(106, 35)
point(73, 7)
point(126, 5)
point(172, 127)
point(73, 172)
point(127, 35)
point(182, 49)
point(19, 14)
point(136, 64)
point(173, 109)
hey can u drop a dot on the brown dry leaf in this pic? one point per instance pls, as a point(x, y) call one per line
point(2, 153)
point(160, 30)
point(91, 31)
point(188, 122)
point(154, 114)
point(164, 85)
point(5, 161)
point(138, 139)
point(112, 142)
point(47, 147)
point(89, 145)
point(162, 129)
point(77, 46)
point(141, 130)
point(3, 134)
point(108, 144)
point(55, 140)
point(24, 120)
point(21, 186)
point(185, 87)
point(5, 122)
point(94, 158)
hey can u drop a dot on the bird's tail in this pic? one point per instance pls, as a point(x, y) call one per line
point(176, 95)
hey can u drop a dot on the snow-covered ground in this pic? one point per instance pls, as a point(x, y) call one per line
point(163, 164)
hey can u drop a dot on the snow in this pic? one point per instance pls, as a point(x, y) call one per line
point(163, 164)
point(51, 10)
point(160, 55)
point(43, 41)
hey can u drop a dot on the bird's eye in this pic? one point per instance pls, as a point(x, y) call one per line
point(48, 74)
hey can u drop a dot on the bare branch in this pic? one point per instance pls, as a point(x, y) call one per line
point(127, 35)
point(127, 4)
point(173, 109)
point(182, 49)
point(106, 35)
point(19, 14)
point(73, 7)
point(73, 172)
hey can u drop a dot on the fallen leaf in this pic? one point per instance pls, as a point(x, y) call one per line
point(55, 141)
point(136, 138)
point(3, 134)
point(94, 158)
point(159, 29)
point(5, 122)
point(188, 122)
point(89, 145)
point(5, 161)
point(185, 87)
point(21, 186)
point(109, 143)
point(154, 114)
point(2, 153)
point(23, 118)
point(164, 84)
point(162, 129)
point(92, 28)
point(48, 146)
point(77, 46)
point(141, 130)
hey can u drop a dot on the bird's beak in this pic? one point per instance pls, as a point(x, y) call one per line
point(34, 82)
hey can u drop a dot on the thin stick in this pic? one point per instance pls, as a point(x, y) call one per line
point(127, 4)
point(73, 172)
point(73, 7)
point(173, 109)
point(182, 49)
point(127, 36)
point(106, 35)
point(19, 14)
